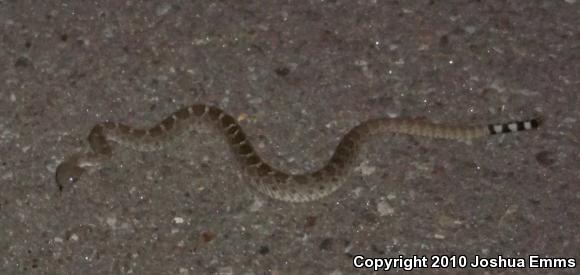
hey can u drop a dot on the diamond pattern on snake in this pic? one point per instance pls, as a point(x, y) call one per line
point(263, 177)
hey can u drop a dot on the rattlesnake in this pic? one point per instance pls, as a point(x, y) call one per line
point(263, 177)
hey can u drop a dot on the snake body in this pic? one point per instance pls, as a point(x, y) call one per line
point(262, 176)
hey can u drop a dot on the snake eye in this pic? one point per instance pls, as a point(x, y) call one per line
point(67, 173)
point(72, 179)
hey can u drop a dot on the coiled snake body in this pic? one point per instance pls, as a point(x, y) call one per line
point(263, 177)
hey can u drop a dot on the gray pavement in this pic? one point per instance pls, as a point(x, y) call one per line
point(297, 75)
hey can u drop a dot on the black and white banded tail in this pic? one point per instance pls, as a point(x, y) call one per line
point(513, 126)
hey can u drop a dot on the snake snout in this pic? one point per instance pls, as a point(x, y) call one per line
point(68, 173)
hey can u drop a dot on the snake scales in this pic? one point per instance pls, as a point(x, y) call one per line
point(263, 177)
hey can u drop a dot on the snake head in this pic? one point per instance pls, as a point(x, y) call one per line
point(67, 173)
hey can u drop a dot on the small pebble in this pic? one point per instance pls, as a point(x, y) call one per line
point(385, 209)
point(545, 158)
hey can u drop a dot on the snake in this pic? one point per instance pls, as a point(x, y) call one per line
point(263, 177)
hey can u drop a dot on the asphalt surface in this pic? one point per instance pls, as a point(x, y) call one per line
point(297, 75)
